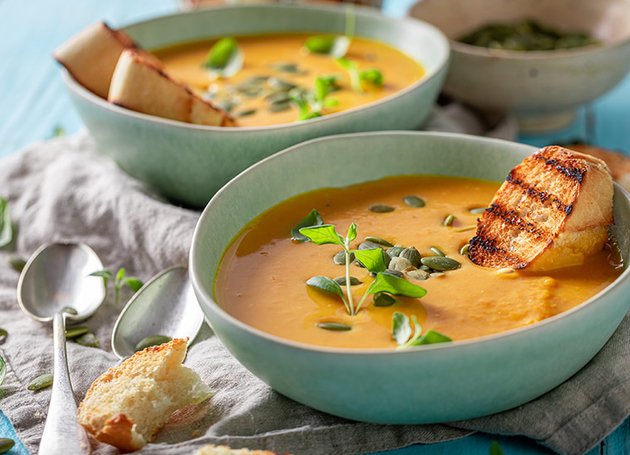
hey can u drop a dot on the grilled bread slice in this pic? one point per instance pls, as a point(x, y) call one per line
point(139, 85)
point(129, 403)
point(552, 211)
point(92, 54)
point(225, 450)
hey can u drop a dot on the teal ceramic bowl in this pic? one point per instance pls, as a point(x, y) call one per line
point(436, 383)
point(189, 163)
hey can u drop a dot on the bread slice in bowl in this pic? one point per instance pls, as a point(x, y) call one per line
point(130, 402)
point(91, 56)
point(140, 85)
point(552, 211)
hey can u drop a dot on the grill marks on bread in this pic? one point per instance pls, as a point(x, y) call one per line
point(552, 193)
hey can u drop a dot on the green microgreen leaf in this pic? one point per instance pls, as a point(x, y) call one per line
point(6, 228)
point(134, 283)
point(299, 97)
point(495, 449)
point(58, 131)
point(105, 274)
point(3, 370)
point(323, 235)
point(395, 286)
point(120, 275)
point(225, 58)
point(373, 260)
point(351, 67)
point(119, 281)
point(401, 330)
point(352, 232)
point(335, 46)
point(312, 219)
point(430, 337)
point(326, 284)
point(372, 76)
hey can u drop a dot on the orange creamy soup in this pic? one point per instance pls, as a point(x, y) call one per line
point(261, 279)
point(254, 95)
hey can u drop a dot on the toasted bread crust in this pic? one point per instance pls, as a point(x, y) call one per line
point(549, 197)
point(618, 163)
point(225, 450)
point(140, 85)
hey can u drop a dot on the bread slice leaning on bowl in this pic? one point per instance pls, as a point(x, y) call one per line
point(130, 402)
point(91, 56)
point(552, 211)
point(140, 85)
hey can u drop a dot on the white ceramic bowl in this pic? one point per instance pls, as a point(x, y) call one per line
point(542, 88)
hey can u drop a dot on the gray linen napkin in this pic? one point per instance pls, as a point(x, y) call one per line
point(64, 190)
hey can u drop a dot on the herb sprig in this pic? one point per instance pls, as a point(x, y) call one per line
point(372, 259)
point(118, 281)
point(357, 78)
point(312, 103)
point(401, 331)
point(225, 58)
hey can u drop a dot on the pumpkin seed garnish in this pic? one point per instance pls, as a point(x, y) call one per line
point(41, 382)
point(3, 333)
point(414, 201)
point(382, 299)
point(69, 310)
point(227, 105)
point(334, 326)
point(412, 255)
point(448, 221)
point(477, 211)
point(400, 264)
point(381, 208)
point(419, 274)
point(88, 339)
point(279, 84)
point(152, 340)
point(437, 251)
point(354, 281)
point(379, 241)
point(465, 228)
point(392, 272)
point(280, 107)
point(395, 251)
point(340, 258)
point(290, 68)
point(369, 245)
point(6, 444)
point(441, 264)
point(465, 250)
point(74, 332)
point(16, 262)
point(245, 113)
point(278, 96)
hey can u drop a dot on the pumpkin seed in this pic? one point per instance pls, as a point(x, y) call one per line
point(400, 264)
point(340, 258)
point(412, 255)
point(277, 97)
point(392, 272)
point(88, 339)
point(414, 201)
point(226, 105)
point(279, 84)
point(437, 251)
point(69, 310)
point(16, 263)
point(465, 228)
point(341, 280)
point(74, 332)
point(290, 68)
point(448, 221)
point(152, 340)
point(279, 107)
point(379, 241)
point(334, 326)
point(41, 382)
point(3, 333)
point(441, 263)
point(419, 274)
point(245, 113)
point(477, 211)
point(465, 250)
point(381, 299)
point(395, 251)
point(369, 245)
point(425, 268)
point(6, 444)
point(437, 274)
point(381, 208)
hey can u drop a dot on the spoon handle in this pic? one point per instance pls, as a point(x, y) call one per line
point(62, 432)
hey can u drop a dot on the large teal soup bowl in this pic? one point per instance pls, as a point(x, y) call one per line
point(435, 383)
point(189, 163)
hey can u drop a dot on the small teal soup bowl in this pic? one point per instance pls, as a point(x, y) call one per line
point(189, 163)
point(435, 383)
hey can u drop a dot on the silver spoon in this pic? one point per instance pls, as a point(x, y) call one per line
point(55, 278)
point(165, 305)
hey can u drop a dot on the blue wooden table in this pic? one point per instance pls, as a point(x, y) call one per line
point(33, 104)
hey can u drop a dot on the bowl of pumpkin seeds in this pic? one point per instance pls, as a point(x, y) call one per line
point(539, 61)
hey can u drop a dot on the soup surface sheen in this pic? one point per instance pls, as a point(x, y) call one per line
point(261, 279)
point(262, 54)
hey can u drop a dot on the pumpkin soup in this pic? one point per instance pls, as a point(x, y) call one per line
point(274, 79)
point(275, 283)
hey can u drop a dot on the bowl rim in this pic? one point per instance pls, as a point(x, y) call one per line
point(441, 65)
point(523, 55)
point(221, 313)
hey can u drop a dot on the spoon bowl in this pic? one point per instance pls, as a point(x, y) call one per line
point(165, 305)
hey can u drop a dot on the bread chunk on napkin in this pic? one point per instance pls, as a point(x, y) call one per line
point(130, 402)
point(552, 211)
point(225, 450)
